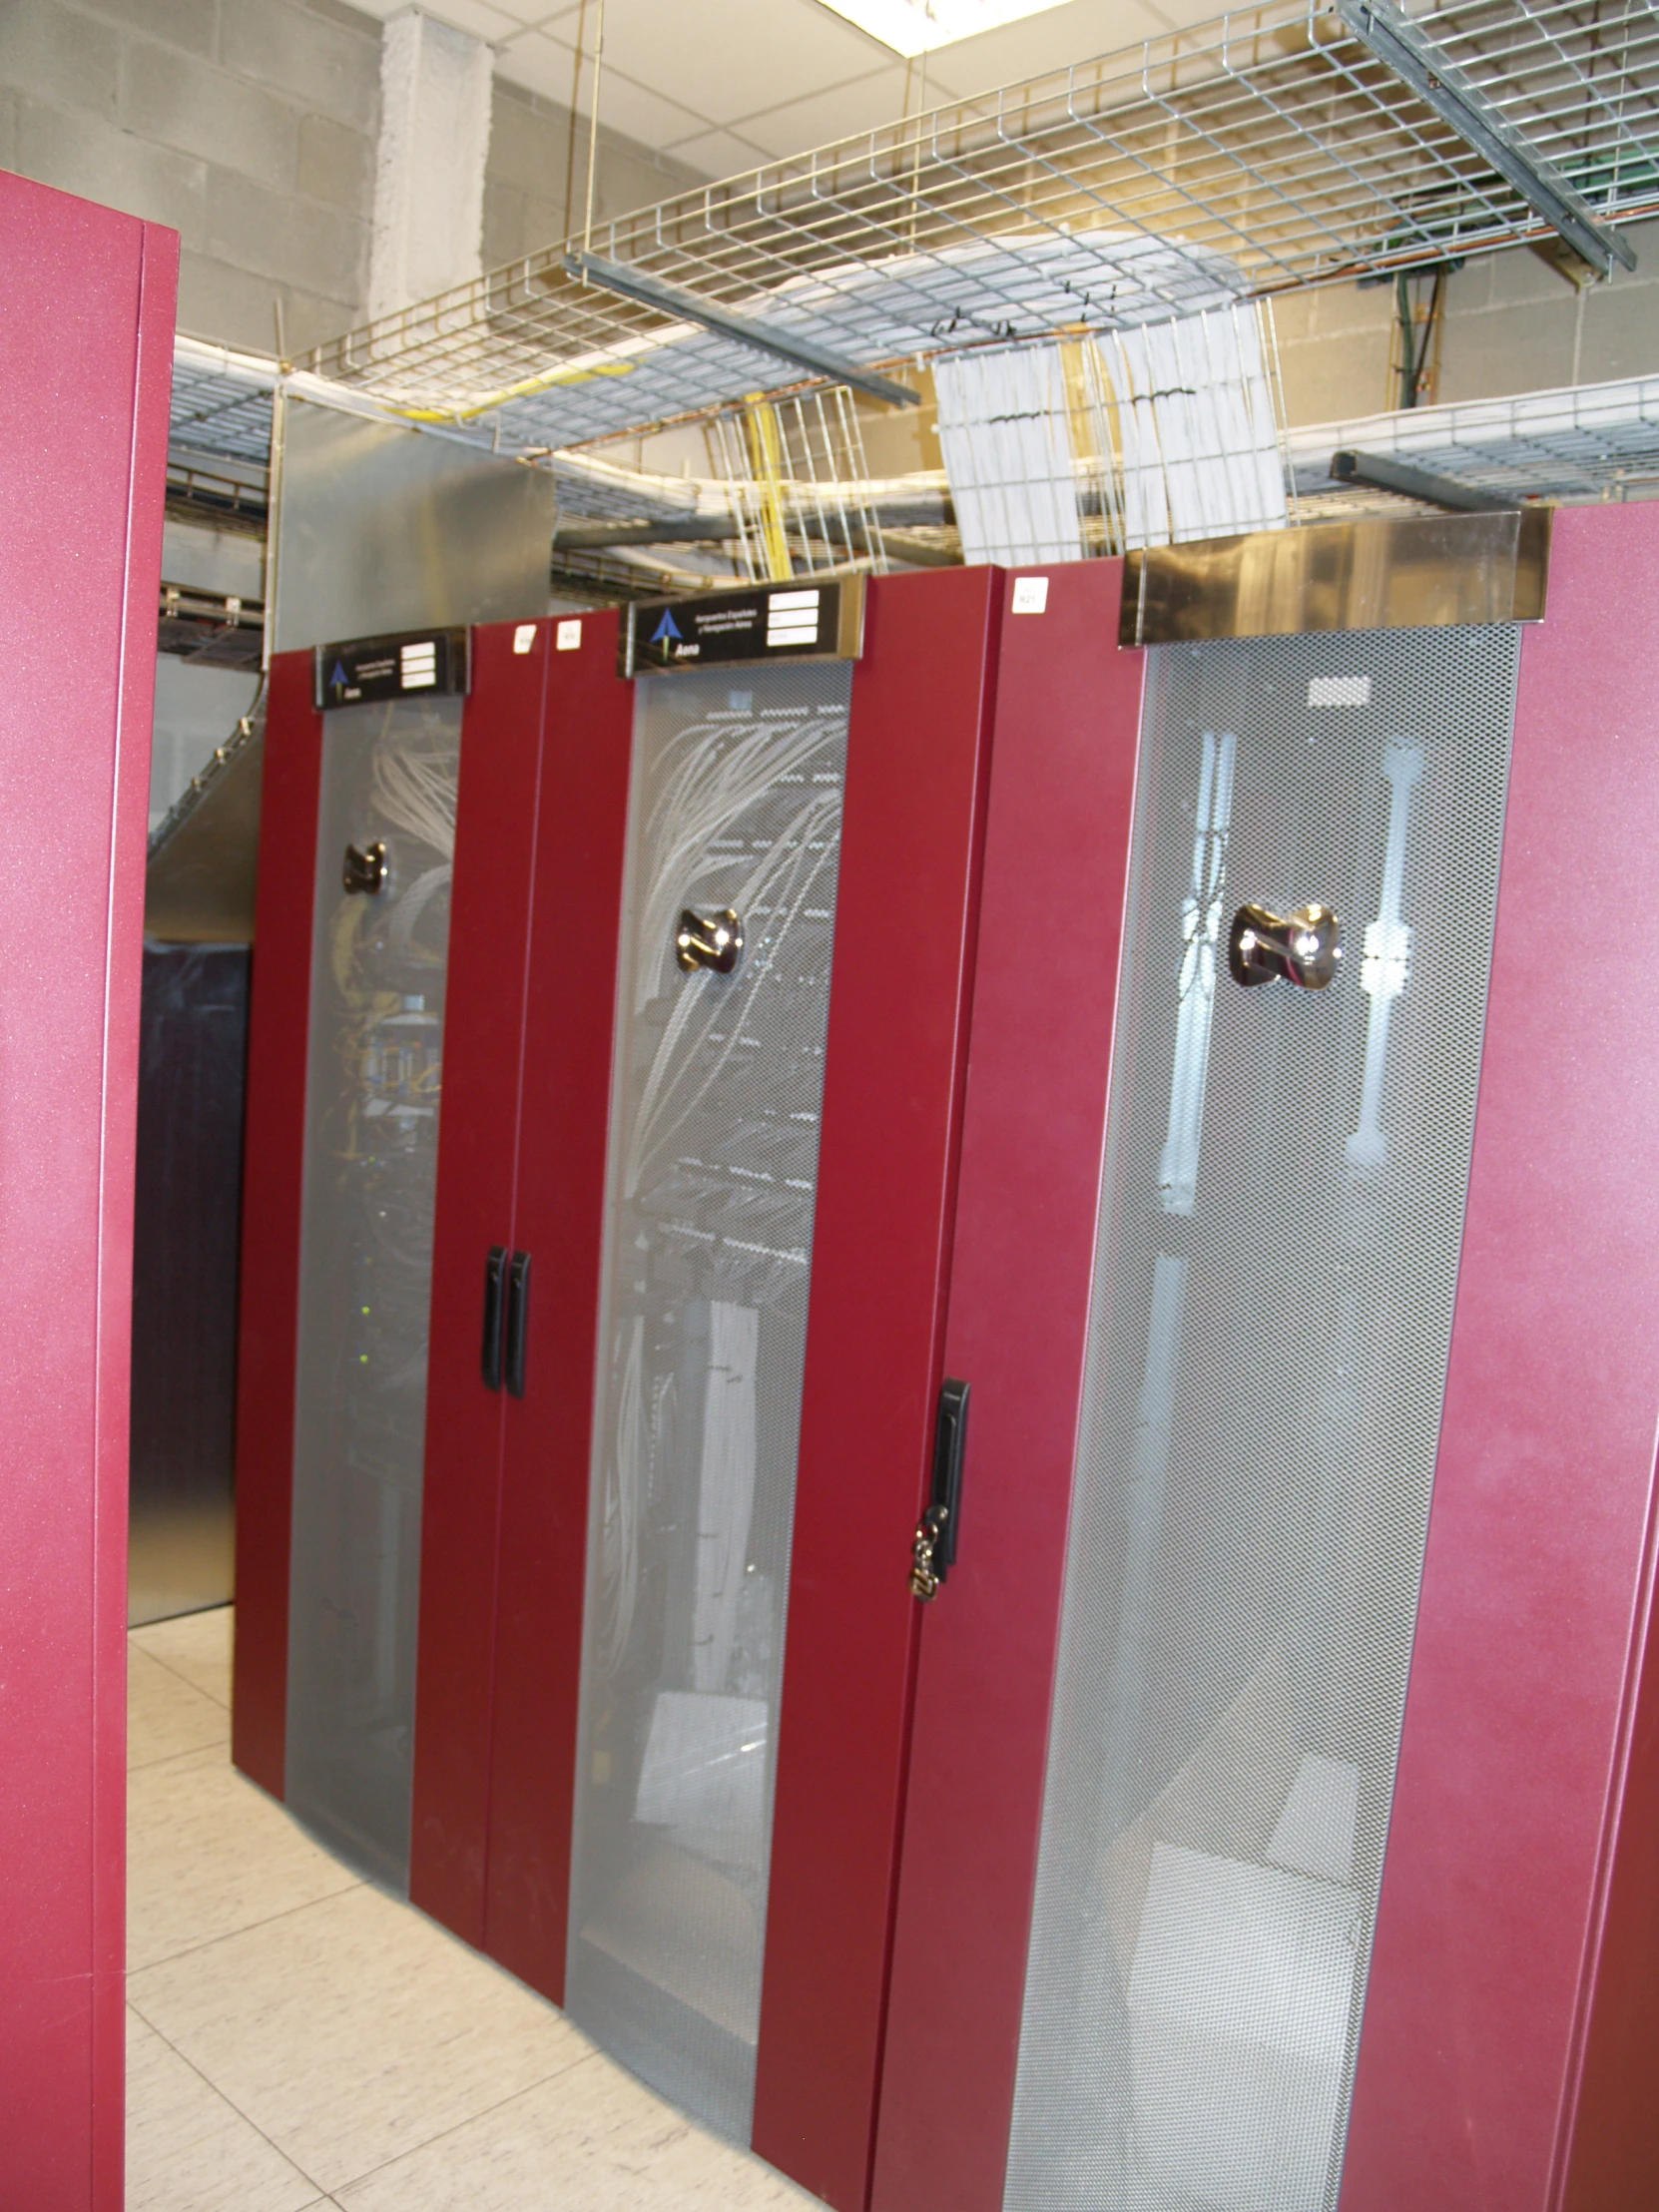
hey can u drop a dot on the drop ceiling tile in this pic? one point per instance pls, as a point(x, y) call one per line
point(732, 58)
point(493, 19)
point(719, 154)
point(1081, 31)
point(480, 18)
point(539, 64)
point(650, 116)
point(544, 63)
point(730, 83)
point(834, 112)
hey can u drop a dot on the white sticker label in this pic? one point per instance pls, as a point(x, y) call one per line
point(791, 618)
point(524, 637)
point(1339, 691)
point(1030, 595)
point(418, 666)
point(568, 635)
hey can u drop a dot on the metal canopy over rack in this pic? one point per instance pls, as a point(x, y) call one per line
point(1587, 441)
point(1270, 148)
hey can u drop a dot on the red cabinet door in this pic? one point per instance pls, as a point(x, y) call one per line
point(496, 788)
point(273, 1135)
point(86, 343)
point(1506, 2022)
point(568, 1016)
point(1045, 1001)
point(520, 1178)
point(495, 844)
point(908, 920)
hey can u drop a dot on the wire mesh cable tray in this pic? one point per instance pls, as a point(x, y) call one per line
point(1266, 151)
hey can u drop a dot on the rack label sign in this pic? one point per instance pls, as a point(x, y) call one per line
point(782, 622)
point(362, 670)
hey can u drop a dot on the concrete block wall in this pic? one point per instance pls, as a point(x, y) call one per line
point(529, 165)
point(1514, 323)
point(249, 126)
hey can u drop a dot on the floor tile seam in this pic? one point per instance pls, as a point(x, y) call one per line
point(230, 2103)
point(212, 1696)
point(143, 1766)
point(472, 2121)
point(192, 1951)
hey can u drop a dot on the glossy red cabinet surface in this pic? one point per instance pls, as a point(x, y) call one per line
point(87, 345)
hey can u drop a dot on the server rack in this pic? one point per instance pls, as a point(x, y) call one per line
point(686, 1317)
point(186, 1215)
point(664, 1670)
point(394, 768)
point(1282, 1782)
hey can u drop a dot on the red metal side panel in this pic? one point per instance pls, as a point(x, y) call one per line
point(894, 1064)
point(580, 840)
point(1534, 1589)
point(1612, 2150)
point(1045, 1003)
point(83, 452)
point(501, 738)
point(278, 1033)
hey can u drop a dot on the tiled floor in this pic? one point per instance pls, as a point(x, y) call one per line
point(297, 2040)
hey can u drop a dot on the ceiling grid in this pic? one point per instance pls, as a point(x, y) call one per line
point(1261, 151)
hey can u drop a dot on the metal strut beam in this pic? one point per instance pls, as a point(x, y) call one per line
point(805, 354)
point(1399, 45)
point(1419, 483)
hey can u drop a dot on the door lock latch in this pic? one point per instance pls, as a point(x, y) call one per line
point(366, 867)
point(933, 1550)
point(712, 941)
point(1303, 946)
point(925, 1577)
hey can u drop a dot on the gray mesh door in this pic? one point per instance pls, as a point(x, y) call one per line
point(366, 1271)
point(1279, 1247)
point(737, 803)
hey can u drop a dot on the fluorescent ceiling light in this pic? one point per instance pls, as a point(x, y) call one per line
point(917, 26)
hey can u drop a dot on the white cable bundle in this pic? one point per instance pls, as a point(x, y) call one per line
point(1197, 431)
point(1197, 438)
point(1005, 434)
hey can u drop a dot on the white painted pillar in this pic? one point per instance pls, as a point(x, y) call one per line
point(429, 171)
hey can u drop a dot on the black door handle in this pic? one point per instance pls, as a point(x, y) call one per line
point(495, 1282)
point(518, 1320)
point(933, 1552)
point(949, 1449)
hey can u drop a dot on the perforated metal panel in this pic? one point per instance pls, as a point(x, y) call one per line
point(389, 774)
point(737, 802)
point(1280, 1234)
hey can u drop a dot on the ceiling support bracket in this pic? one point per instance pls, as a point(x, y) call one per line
point(1419, 483)
point(1402, 47)
point(687, 306)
